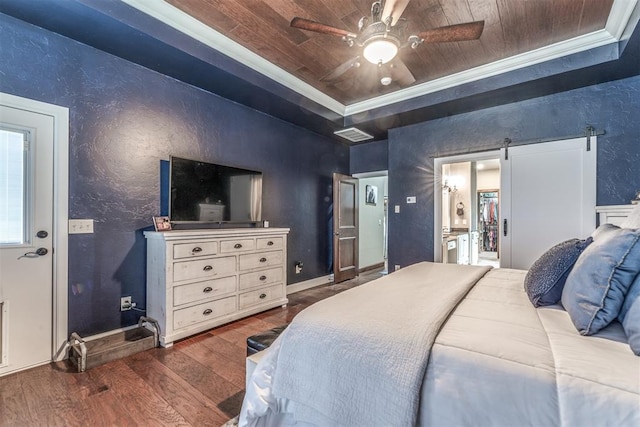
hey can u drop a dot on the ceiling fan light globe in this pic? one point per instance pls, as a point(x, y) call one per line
point(380, 51)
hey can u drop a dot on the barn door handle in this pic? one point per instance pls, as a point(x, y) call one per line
point(504, 227)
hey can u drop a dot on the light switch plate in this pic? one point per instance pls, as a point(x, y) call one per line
point(396, 209)
point(80, 226)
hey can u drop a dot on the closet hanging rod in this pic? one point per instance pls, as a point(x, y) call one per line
point(588, 132)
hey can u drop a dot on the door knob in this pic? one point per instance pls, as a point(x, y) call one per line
point(35, 254)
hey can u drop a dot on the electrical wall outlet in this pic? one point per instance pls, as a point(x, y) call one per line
point(396, 267)
point(125, 304)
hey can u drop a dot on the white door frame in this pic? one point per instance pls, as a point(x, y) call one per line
point(437, 192)
point(60, 213)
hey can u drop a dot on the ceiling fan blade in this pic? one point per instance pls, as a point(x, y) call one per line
point(307, 24)
point(394, 9)
point(453, 33)
point(341, 69)
point(401, 74)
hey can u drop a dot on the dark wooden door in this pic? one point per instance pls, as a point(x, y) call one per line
point(345, 227)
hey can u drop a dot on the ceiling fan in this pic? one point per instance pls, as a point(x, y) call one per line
point(382, 36)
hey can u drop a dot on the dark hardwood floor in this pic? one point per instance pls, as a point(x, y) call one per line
point(197, 382)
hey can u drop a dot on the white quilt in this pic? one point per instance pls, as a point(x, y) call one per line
point(497, 361)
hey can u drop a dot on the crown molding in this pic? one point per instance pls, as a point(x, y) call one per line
point(619, 18)
point(195, 29)
point(547, 53)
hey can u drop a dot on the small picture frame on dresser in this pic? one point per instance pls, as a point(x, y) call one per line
point(161, 223)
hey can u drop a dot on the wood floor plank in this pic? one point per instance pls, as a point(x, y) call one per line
point(200, 377)
point(231, 369)
point(13, 401)
point(194, 406)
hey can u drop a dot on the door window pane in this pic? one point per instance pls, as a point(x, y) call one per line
point(12, 187)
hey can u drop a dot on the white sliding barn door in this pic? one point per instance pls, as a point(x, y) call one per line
point(548, 195)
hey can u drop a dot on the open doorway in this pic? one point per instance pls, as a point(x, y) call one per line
point(373, 221)
point(467, 209)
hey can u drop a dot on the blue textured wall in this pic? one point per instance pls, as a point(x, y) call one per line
point(125, 119)
point(369, 157)
point(613, 107)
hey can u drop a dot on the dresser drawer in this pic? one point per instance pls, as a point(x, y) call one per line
point(203, 268)
point(269, 243)
point(189, 250)
point(203, 290)
point(260, 278)
point(260, 260)
point(260, 296)
point(203, 312)
point(237, 245)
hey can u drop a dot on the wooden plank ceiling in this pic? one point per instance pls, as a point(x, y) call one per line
point(511, 27)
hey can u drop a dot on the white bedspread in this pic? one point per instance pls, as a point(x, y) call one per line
point(373, 337)
point(497, 361)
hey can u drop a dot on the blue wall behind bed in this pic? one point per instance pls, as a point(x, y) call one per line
point(613, 107)
point(125, 119)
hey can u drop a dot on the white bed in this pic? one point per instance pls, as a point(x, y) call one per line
point(496, 360)
point(443, 345)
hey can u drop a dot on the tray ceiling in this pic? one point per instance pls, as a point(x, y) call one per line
point(516, 33)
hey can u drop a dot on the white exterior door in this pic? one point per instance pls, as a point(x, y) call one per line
point(548, 195)
point(26, 236)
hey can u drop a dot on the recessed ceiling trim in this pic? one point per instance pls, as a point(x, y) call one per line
point(619, 17)
point(195, 29)
point(621, 12)
point(544, 54)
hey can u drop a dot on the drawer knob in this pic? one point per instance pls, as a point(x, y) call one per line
point(237, 245)
point(196, 250)
point(207, 268)
point(270, 243)
point(207, 312)
point(263, 296)
point(263, 259)
point(263, 278)
point(207, 289)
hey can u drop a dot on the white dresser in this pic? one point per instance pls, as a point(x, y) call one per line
point(199, 279)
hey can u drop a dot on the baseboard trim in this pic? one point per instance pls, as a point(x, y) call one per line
point(371, 267)
point(308, 284)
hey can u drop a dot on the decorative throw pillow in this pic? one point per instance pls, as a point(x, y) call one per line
point(546, 277)
point(597, 284)
point(630, 316)
point(603, 230)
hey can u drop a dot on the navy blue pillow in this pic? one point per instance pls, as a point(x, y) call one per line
point(600, 279)
point(546, 277)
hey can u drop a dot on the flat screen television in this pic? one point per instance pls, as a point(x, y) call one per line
point(213, 193)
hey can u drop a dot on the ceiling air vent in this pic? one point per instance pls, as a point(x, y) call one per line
point(353, 134)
